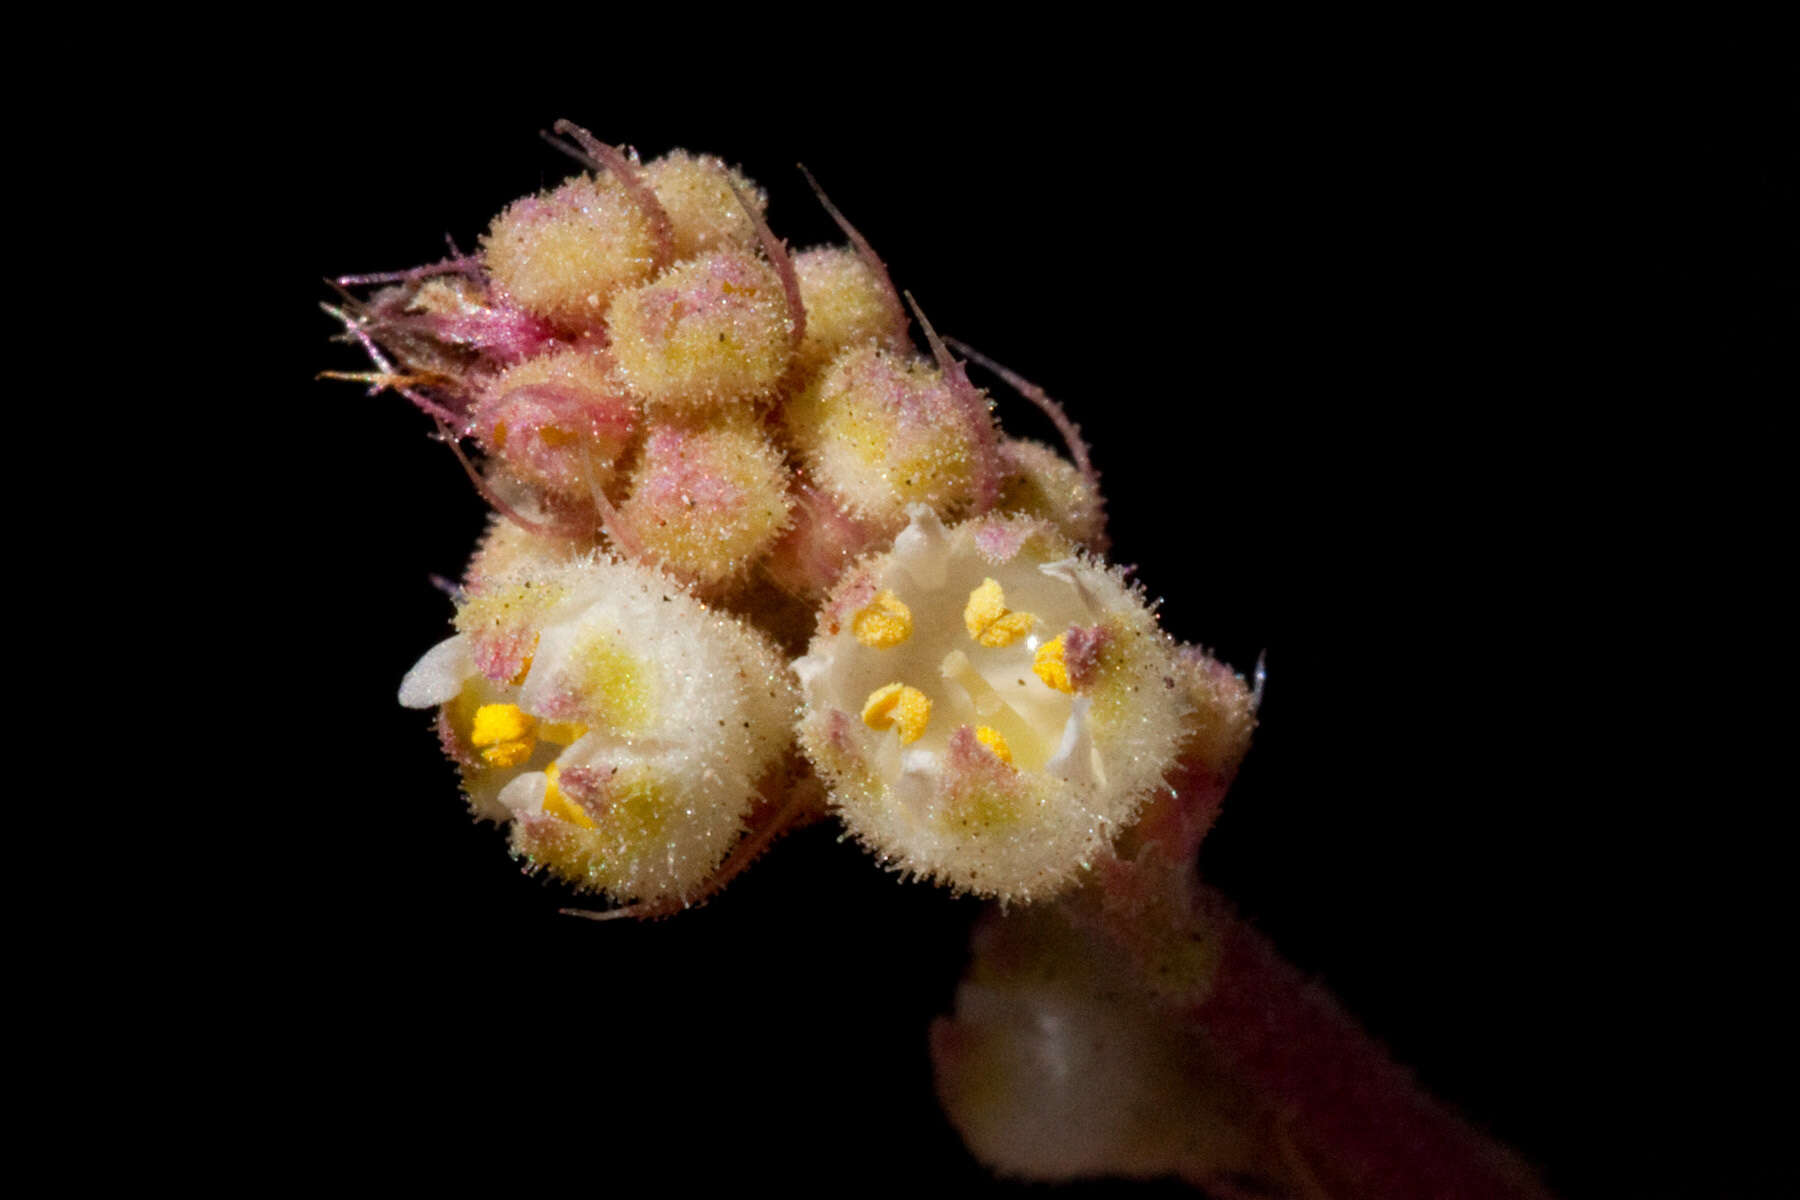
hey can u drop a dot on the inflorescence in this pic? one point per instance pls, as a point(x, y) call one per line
point(756, 559)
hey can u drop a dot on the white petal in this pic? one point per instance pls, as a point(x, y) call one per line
point(919, 548)
point(1076, 758)
point(808, 669)
point(1069, 571)
point(526, 793)
point(438, 677)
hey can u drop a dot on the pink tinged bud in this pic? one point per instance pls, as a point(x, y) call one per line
point(1039, 482)
point(459, 311)
point(879, 432)
point(563, 254)
point(560, 421)
point(708, 498)
point(819, 544)
point(847, 304)
point(507, 548)
point(977, 411)
point(623, 170)
point(502, 333)
point(1222, 717)
point(711, 331)
point(697, 193)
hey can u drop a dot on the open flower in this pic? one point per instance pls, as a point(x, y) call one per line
point(619, 726)
point(989, 706)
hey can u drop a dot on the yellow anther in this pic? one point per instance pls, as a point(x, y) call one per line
point(559, 805)
point(986, 605)
point(501, 723)
point(993, 741)
point(898, 706)
point(989, 621)
point(506, 733)
point(1050, 667)
point(883, 622)
point(1007, 630)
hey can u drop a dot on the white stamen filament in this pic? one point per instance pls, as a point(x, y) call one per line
point(1027, 747)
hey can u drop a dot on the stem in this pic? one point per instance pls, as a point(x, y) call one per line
point(1356, 1116)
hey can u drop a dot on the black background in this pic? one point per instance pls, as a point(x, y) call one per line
point(1379, 372)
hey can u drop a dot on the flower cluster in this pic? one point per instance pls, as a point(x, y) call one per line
point(757, 558)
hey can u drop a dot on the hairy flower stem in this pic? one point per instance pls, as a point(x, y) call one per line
point(1322, 1110)
point(1352, 1121)
point(1362, 1124)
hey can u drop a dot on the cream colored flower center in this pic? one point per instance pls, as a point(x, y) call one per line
point(951, 640)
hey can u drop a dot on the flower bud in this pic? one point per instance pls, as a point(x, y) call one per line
point(700, 195)
point(708, 497)
point(847, 304)
point(880, 432)
point(821, 541)
point(458, 311)
point(562, 254)
point(508, 548)
point(1039, 482)
point(988, 707)
point(710, 331)
point(560, 420)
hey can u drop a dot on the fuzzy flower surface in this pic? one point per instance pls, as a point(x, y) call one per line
point(757, 559)
point(989, 707)
point(620, 728)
